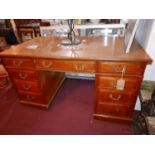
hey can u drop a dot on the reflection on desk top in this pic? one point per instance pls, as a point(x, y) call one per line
point(106, 48)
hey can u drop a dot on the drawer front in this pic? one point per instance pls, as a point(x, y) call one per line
point(36, 98)
point(18, 63)
point(66, 65)
point(117, 67)
point(27, 86)
point(111, 83)
point(23, 74)
point(117, 97)
point(114, 110)
point(80, 66)
point(48, 64)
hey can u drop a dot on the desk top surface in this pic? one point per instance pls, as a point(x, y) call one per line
point(92, 48)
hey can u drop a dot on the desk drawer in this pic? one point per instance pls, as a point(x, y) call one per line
point(47, 64)
point(66, 65)
point(117, 67)
point(80, 66)
point(114, 110)
point(36, 98)
point(117, 97)
point(23, 74)
point(105, 82)
point(18, 63)
point(27, 86)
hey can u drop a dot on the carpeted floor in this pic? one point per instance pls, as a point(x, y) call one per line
point(70, 113)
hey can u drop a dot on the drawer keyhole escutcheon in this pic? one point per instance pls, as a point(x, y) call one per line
point(47, 65)
point(117, 110)
point(80, 67)
point(17, 63)
point(113, 84)
point(119, 70)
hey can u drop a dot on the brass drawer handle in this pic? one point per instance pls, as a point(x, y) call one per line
point(47, 65)
point(17, 63)
point(23, 76)
point(113, 84)
point(115, 98)
point(27, 86)
point(81, 68)
point(117, 70)
point(30, 97)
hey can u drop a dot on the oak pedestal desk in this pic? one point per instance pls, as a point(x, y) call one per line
point(38, 73)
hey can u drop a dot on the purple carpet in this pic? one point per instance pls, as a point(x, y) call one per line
point(69, 114)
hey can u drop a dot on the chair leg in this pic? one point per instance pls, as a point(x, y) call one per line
point(139, 126)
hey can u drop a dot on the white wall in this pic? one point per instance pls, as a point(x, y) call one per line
point(145, 35)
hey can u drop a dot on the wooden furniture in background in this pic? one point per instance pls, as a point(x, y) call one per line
point(28, 28)
point(4, 78)
point(20, 22)
point(26, 33)
point(30, 69)
point(3, 44)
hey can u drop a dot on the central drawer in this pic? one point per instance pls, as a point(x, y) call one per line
point(66, 65)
